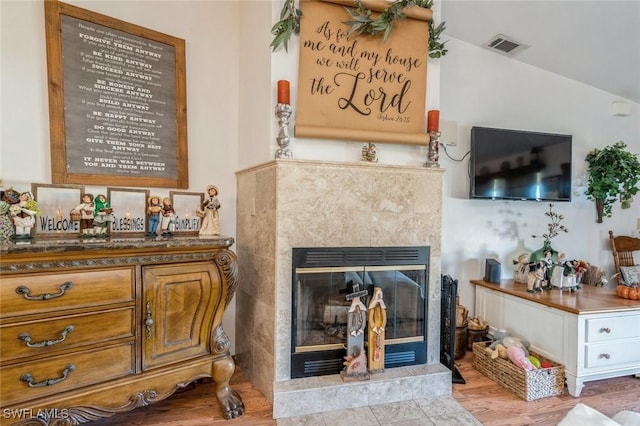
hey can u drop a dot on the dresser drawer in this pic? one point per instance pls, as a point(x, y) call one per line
point(45, 336)
point(613, 354)
point(612, 328)
point(41, 293)
point(82, 369)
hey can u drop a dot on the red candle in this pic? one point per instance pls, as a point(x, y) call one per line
point(283, 92)
point(433, 120)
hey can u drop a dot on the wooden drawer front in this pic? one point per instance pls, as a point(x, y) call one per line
point(64, 332)
point(613, 354)
point(612, 328)
point(89, 367)
point(87, 288)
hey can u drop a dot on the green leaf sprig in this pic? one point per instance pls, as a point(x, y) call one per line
point(361, 24)
point(288, 25)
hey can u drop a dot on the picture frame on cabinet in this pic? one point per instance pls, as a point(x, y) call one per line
point(55, 203)
point(129, 209)
point(185, 205)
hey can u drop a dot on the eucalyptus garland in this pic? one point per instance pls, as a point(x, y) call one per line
point(288, 25)
point(362, 23)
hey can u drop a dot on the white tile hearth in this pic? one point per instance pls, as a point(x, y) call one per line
point(443, 411)
point(315, 394)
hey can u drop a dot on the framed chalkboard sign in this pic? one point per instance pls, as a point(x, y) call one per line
point(117, 101)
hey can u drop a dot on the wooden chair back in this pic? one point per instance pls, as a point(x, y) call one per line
point(622, 248)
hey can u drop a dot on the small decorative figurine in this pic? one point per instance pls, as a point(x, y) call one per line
point(570, 272)
point(6, 224)
point(537, 277)
point(9, 197)
point(103, 216)
point(355, 364)
point(369, 152)
point(377, 323)
point(521, 272)
point(210, 223)
point(547, 268)
point(85, 212)
point(24, 214)
point(557, 274)
point(154, 210)
point(168, 224)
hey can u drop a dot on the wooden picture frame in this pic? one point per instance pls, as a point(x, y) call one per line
point(185, 205)
point(117, 101)
point(130, 211)
point(55, 203)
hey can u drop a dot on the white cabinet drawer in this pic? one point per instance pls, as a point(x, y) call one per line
point(612, 328)
point(612, 354)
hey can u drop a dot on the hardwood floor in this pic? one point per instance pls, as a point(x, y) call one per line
point(198, 406)
point(491, 404)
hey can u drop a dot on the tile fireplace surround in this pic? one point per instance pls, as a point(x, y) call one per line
point(285, 204)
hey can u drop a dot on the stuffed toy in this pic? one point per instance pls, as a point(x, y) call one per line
point(500, 351)
point(518, 357)
point(501, 337)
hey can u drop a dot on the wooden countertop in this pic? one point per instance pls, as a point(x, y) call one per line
point(587, 300)
point(58, 253)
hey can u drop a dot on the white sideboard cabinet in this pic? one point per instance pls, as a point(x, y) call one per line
point(592, 332)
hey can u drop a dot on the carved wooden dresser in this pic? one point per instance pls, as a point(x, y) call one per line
point(92, 329)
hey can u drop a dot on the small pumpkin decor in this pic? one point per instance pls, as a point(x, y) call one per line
point(628, 282)
point(628, 292)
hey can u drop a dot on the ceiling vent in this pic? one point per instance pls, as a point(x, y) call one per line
point(505, 45)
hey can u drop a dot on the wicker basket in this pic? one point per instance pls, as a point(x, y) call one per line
point(527, 385)
point(75, 215)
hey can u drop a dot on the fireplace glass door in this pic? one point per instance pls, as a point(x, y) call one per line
point(321, 306)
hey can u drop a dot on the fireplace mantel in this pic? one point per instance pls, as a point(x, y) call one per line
point(287, 203)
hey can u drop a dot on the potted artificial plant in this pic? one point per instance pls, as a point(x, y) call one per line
point(614, 174)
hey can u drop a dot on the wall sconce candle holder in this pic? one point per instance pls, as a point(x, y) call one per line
point(433, 155)
point(283, 112)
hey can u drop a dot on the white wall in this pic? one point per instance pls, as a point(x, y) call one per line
point(231, 80)
point(484, 88)
point(212, 34)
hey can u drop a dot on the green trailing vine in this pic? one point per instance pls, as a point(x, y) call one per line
point(362, 23)
point(613, 174)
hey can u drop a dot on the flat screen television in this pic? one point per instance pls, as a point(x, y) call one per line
point(520, 165)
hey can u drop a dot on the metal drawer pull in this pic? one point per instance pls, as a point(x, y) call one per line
point(46, 343)
point(148, 322)
point(605, 330)
point(46, 296)
point(605, 356)
point(27, 377)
